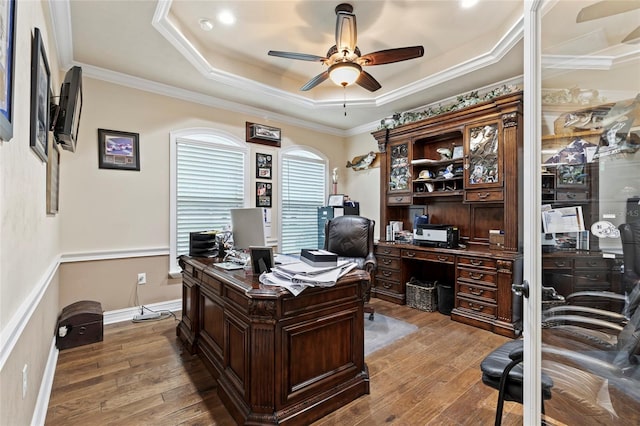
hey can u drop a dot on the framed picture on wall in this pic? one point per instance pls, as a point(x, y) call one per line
point(118, 150)
point(7, 55)
point(259, 133)
point(40, 81)
point(263, 166)
point(263, 194)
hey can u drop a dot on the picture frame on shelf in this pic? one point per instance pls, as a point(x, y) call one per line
point(266, 135)
point(118, 150)
point(263, 165)
point(53, 179)
point(7, 50)
point(458, 152)
point(40, 93)
point(263, 194)
point(335, 200)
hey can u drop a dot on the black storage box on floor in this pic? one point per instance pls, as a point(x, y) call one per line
point(445, 298)
point(80, 323)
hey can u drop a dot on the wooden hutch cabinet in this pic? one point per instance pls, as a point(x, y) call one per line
point(462, 168)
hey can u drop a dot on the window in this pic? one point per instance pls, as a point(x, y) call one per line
point(304, 176)
point(207, 179)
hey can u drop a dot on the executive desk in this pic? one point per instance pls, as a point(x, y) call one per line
point(277, 359)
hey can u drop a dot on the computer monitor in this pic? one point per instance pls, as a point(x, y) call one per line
point(247, 226)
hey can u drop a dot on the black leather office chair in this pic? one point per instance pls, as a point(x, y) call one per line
point(630, 236)
point(351, 238)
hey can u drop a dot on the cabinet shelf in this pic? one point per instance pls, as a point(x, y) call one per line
point(446, 193)
point(434, 163)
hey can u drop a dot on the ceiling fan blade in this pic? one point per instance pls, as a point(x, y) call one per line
point(346, 33)
point(605, 8)
point(367, 81)
point(315, 81)
point(298, 56)
point(392, 55)
point(633, 37)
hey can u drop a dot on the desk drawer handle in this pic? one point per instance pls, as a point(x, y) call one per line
point(475, 262)
point(386, 251)
point(571, 195)
point(559, 263)
point(476, 276)
point(443, 258)
point(411, 254)
point(399, 199)
point(592, 263)
point(386, 261)
point(477, 292)
point(387, 274)
point(386, 285)
point(476, 307)
point(484, 195)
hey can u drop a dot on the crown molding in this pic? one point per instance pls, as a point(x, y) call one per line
point(62, 33)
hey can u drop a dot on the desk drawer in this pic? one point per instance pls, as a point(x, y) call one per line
point(389, 263)
point(477, 276)
point(476, 262)
point(558, 263)
point(399, 199)
point(480, 308)
point(387, 251)
point(484, 196)
point(388, 275)
point(592, 262)
point(389, 286)
point(429, 256)
point(486, 294)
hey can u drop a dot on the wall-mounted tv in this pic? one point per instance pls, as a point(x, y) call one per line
point(67, 122)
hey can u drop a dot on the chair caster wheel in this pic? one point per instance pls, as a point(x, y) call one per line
point(371, 316)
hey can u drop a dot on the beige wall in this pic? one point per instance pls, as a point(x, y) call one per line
point(106, 211)
point(29, 238)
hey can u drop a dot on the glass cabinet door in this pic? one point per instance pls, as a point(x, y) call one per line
point(399, 170)
point(484, 156)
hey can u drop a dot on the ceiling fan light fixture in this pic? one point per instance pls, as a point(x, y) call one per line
point(344, 73)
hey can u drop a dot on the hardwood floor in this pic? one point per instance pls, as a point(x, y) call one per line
point(139, 375)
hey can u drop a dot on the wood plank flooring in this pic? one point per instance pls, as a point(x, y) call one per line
point(139, 375)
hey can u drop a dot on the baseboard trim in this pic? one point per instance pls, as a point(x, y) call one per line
point(42, 403)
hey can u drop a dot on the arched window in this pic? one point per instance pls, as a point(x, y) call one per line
point(207, 180)
point(304, 183)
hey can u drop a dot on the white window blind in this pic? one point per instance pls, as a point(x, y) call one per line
point(303, 191)
point(209, 182)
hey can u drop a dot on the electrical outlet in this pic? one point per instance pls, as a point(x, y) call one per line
point(142, 278)
point(24, 380)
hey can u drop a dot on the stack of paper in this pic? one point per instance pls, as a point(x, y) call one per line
point(297, 276)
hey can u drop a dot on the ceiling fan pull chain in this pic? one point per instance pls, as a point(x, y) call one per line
point(344, 104)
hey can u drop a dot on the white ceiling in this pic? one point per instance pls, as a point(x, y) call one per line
point(159, 46)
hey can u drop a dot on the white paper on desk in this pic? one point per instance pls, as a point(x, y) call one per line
point(306, 269)
point(562, 220)
point(268, 278)
point(324, 279)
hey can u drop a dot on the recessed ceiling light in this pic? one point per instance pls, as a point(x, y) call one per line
point(226, 17)
point(468, 3)
point(205, 24)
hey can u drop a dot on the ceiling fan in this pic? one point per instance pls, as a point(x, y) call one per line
point(344, 60)
point(605, 8)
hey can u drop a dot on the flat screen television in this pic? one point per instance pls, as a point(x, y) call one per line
point(69, 108)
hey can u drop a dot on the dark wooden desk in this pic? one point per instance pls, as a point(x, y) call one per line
point(277, 359)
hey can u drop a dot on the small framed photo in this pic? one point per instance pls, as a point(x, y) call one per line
point(263, 194)
point(259, 133)
point(336, 200)
point(118, 150)
point(7, 61)
point(458, 152)
point(263, 166)
point(261, 259)
point(40, 92)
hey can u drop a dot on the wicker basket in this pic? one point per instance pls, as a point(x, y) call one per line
point(422, 295)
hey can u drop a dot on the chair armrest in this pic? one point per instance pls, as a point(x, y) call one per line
point(610, 316)
point(517, 354)
point(594, 322)
point(597, 294)
point(370, 263)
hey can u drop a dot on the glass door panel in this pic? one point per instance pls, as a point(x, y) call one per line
point(590, 188)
